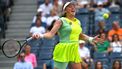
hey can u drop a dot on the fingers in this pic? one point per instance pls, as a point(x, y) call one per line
point(96, 37)
point(95, 41)
point(36, 36)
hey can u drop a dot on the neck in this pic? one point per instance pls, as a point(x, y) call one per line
point(27, 53)
point(116, 40)
point(116, 29)
point(38, 25)
point(81, 47)
point(71, 17)
point(46, 4)
point(56, 4)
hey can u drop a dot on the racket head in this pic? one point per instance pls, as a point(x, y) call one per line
point(11, 48)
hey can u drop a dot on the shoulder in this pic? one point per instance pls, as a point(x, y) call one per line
point(78, 21)
point(120, 29)
point(56, 17)
point(33, 27)
point(32, 54)
point(111, 31)
point(104, 9)
point(59, 21)
point(17, 64)
point(62, 18)
point(85, 48)
point(50, 4)
point(41, 27)
point(106, 41)
point(28, 63)
point(42, 5)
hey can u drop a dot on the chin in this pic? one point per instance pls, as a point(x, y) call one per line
point(74, 13)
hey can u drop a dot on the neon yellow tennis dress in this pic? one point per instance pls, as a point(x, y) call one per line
point(67, 49)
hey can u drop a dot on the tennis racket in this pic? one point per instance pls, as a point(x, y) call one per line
point(13, 47)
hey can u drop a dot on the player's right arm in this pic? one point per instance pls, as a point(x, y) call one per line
point(53, 31)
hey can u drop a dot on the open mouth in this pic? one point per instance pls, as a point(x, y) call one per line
point(73, 11)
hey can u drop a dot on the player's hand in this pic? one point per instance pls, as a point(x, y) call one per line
point(36, 35)
point(96, 39)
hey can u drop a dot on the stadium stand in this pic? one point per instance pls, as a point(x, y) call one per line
point(87, 21)
point(100, 55)
point(43, 49)
point(115, 55)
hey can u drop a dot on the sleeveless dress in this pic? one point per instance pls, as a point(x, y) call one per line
point(67, 48)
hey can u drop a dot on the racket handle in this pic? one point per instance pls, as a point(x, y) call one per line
point(29, 39)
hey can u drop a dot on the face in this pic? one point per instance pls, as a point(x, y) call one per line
point(53, 12)
point(116, 25)
point(103, 36)
point(117, 64)
point(22, 57)
point(81, 45)
point(56, 1)
point(47, 1)
point(39, 15)
point(101, 30)
point(99, 65)
point(115, 37)
point(101, 25)
point(100, 6)
point(27, 49)
point(38, 23)
point(70, 10)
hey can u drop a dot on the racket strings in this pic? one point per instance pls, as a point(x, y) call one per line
point(11, 47)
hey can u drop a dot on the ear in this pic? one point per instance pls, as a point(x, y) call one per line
point(64, 11)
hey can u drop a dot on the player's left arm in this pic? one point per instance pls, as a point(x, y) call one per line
point(88, 38)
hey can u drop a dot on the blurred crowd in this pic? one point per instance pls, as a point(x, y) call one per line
point(5, 11)
point(50, 10)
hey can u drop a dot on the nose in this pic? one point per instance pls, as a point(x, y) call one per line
point(73, 7)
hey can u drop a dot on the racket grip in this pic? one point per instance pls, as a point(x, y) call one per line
point(29, 39)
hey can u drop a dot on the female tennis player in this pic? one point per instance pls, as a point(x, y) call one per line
point(70, 32)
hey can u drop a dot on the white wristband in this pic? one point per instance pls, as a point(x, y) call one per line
point(90, 39)
point(42, 35)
